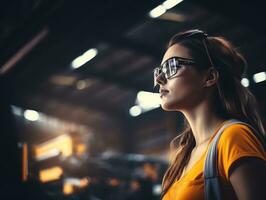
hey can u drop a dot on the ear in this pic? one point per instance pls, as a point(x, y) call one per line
point(211, 77)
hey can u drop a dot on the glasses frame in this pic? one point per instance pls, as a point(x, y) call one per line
point(191, 34)
point(173, 63)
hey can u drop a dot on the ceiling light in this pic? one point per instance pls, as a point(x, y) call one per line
point(16, 110)
point(259, 77)
point(63, 80)
point(170, 16)
point(82, 84)
point(84, 58)
point(158, 11)
point(168, 4)
point(135, 111)
point(245, 82)
point(148, 100)
point(31, 115)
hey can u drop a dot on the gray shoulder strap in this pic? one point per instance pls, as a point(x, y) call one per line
point(211, 181)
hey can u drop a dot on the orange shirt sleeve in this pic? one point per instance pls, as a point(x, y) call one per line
point(237, 141)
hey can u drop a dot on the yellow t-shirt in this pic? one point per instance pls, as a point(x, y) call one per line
point(237, 141)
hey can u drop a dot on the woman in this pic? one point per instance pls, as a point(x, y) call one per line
point(200, 77)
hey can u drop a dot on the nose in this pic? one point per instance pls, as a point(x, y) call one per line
point(161, 80)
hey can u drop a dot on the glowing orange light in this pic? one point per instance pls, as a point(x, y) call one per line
point(50, 174)
point(24, 162)
point(61, 144)
point(68, 188)
point(113, 182)
point(80, 149)
point(83, 182)
point(74, 184)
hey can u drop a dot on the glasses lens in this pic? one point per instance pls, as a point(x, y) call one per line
point(156, 73)
point(168, 69)
point(172, 67)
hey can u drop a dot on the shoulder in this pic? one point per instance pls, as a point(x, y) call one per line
point(236, 129)
point(238, 134)
point(237, 141)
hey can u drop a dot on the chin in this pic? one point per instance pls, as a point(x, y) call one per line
point(169, 107)
point(174, 105)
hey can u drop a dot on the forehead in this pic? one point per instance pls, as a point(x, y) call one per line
point(176, 50)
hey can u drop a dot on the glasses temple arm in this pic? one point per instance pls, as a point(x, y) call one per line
point(207, 51)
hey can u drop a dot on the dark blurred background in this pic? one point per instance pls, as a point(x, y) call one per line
point(79, 116)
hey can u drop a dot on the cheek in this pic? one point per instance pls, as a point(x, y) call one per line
point(184, 93)
point(187, 88)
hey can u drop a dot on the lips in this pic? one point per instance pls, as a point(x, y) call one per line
point(163, 92)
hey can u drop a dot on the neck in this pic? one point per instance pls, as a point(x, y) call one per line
point(203, 121)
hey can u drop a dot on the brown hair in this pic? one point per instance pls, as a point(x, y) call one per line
point(232, 100)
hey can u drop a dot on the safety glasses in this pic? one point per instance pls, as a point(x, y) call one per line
point(170, 67)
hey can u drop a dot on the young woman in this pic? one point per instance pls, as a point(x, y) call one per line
point(200, 76)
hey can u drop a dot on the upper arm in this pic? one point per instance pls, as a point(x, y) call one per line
point(248, 178)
